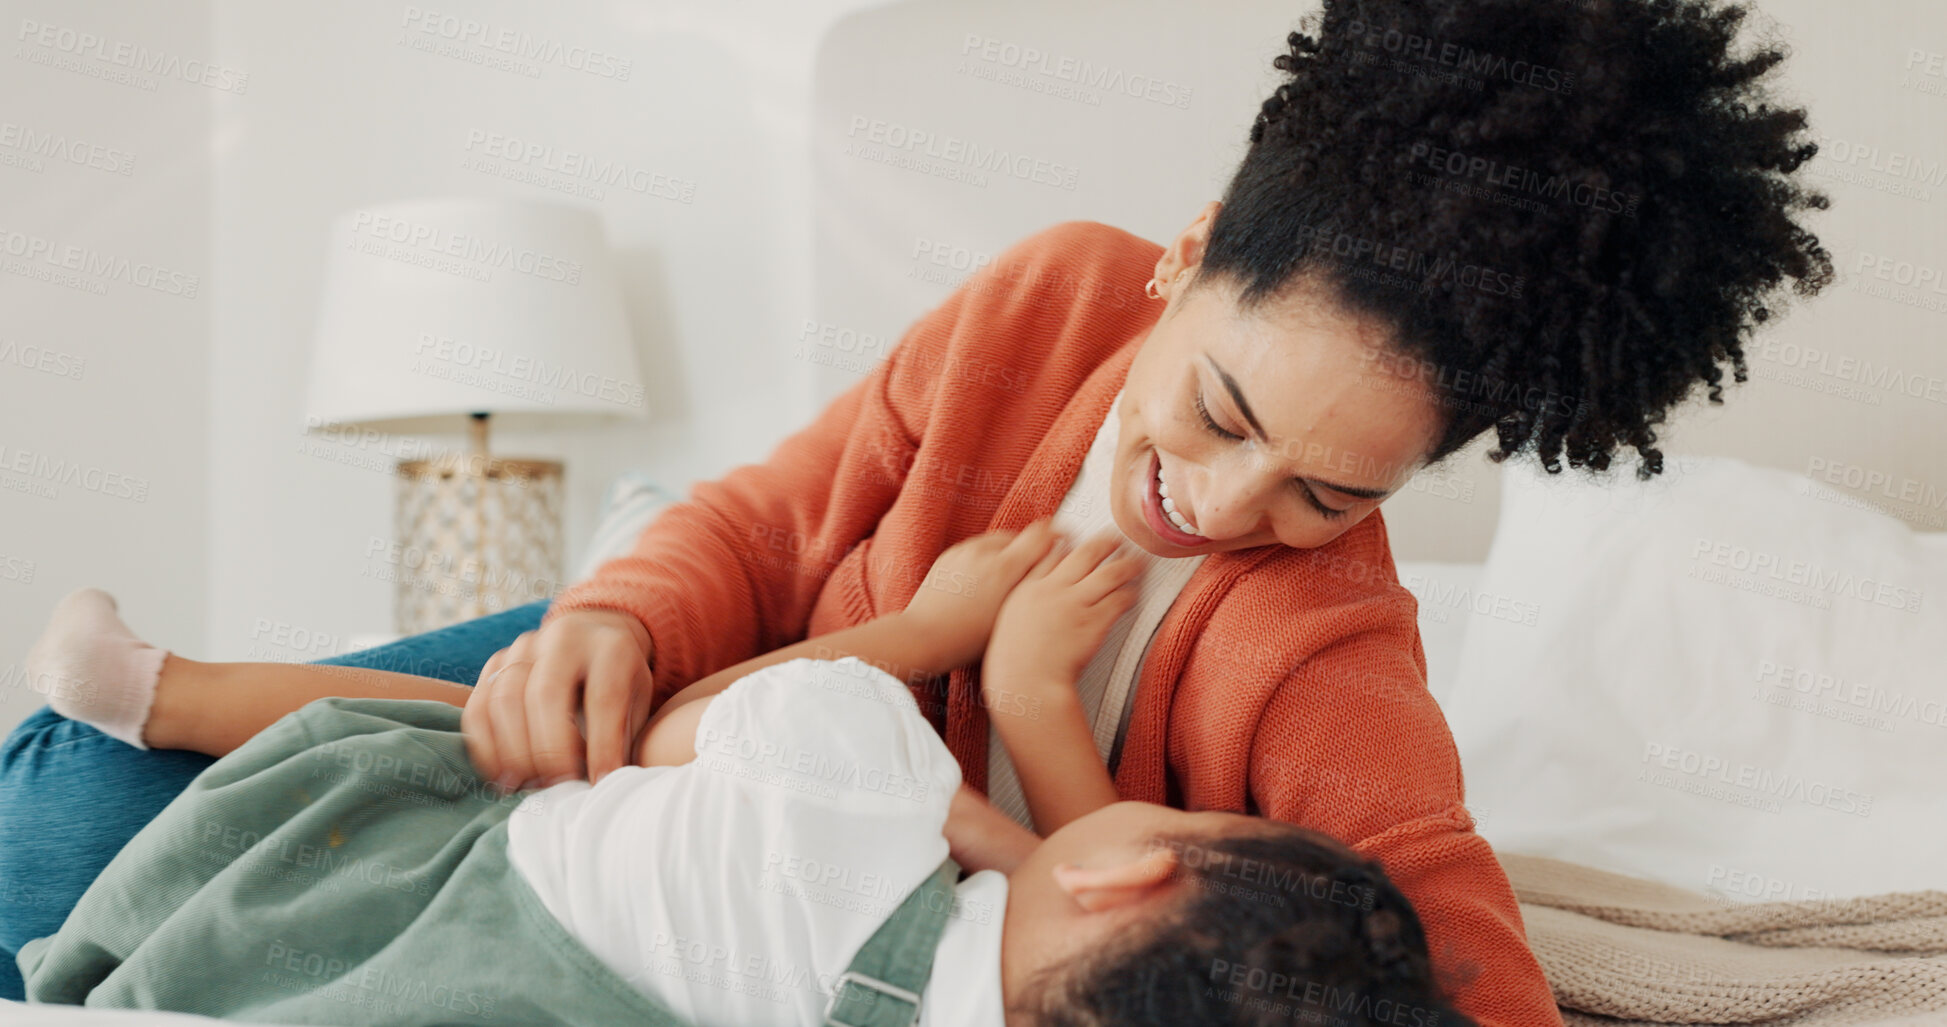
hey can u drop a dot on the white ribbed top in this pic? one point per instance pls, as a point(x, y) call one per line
point(1108, 683)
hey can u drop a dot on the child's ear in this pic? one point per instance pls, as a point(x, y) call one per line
point(1119, 881)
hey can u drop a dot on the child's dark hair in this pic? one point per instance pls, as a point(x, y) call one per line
point(1276, 925)
point(1569, 212)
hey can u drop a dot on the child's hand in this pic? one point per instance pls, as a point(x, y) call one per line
point(1055, 619)
point(957, 603)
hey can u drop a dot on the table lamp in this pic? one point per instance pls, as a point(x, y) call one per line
point(470, 307)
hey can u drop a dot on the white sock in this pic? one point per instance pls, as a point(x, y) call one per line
point(93, 669)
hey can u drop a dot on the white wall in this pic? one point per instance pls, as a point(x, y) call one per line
point(104, 182)
point(246, 522)
point(1147, 165)
point(351, 112)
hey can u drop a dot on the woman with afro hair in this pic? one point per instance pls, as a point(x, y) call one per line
point(1548, 220)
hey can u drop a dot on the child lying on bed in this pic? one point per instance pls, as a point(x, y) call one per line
point(345, 865)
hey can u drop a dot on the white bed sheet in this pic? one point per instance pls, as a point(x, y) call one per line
point(24, 1015)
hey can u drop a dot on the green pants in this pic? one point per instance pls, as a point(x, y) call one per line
point(345, 866)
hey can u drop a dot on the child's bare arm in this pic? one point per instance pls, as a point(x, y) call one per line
point(980, 837)
point(671, 741)
point(946, 625)
point(1062, 775)
point(908, 648)
point(1048, 630)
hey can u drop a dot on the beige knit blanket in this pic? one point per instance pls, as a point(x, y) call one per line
point(1622, 951)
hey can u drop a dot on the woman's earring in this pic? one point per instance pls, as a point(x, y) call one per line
point(1150, 290)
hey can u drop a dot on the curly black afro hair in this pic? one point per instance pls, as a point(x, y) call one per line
point(1569, 211)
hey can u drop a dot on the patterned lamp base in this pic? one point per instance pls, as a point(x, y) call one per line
point(479, 535)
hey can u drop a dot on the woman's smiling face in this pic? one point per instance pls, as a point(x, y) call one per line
point(1287, 425)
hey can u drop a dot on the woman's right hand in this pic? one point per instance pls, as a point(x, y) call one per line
point(520, 722)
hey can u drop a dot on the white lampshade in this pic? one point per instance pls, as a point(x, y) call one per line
point(459, 306)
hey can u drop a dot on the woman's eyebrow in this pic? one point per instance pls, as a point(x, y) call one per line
point(1237, 396)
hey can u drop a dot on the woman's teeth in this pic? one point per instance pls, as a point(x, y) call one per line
point(1169, 505)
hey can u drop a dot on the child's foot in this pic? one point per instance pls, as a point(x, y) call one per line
point(94, 669)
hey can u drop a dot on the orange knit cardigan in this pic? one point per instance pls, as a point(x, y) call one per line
point(1288, 683)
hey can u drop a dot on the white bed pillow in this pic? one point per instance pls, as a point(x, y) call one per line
point(1449, 602)
point(632, 501)
point(1734, 684)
